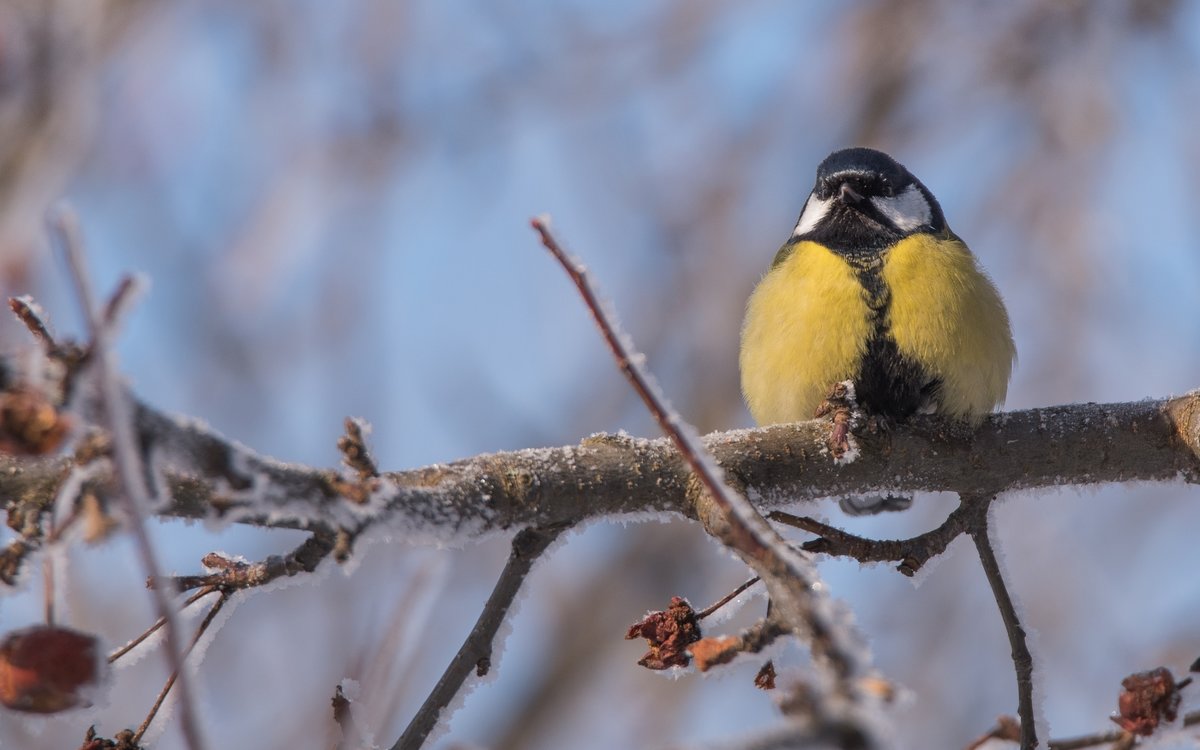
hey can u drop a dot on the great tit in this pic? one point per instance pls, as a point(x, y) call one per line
point(873, 288)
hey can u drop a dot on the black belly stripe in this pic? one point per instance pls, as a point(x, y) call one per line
point(888, 383)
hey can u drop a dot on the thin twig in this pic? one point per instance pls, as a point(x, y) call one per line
point(177, 674)
point(1100, 738)
point(714, 650)
point(685, 441)
point(475, 655)
point(48, 563)
point(912, 553)
point(129, 471)
point(30, 313)
point(118, 653)
point(1022, 658)
point(54, 531)
point(229, 574)
point(355, 453)
point(48, 589)
point(726, 599)
point(127, 288)
point(1191, 718)
point(791, 580)
point(343, 716)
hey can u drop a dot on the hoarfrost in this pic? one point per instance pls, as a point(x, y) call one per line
point(188, 617)
point(499, 643)
point(1040, 723)
point(635, 517)
point(735, 605)
point(852, 452)
point(350, 688)
point(926, 570)
point(352, 691)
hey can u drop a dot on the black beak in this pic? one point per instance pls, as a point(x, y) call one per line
point(849, 196)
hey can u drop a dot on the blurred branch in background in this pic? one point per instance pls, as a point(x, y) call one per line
point(51, 55)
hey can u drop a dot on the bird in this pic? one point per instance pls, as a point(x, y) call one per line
point(873, 290)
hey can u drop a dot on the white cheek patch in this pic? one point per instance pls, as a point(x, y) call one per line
point(906, 211)
point(814, 210)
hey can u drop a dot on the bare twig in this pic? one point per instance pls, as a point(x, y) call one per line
point(1091, 740)
point(178, 673)
point(119, 301)
point(129, 470)
point(54, 531)
point(790, 579)
point(48, 589)
point(475, 655)
point(1119, 739)
point(697, 457)
point(709, 652)
point(118, 653)
point(911, 553)
point(1022, 659)
point(31, 314)
point(343, 716)
point(1007, 728)
point(1103, 738)
point(726, 599)
point(684, 439)
point(232, 574)
point(355, 453)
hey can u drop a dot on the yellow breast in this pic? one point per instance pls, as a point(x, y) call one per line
point(806, 328)
point(808, 322)
point(946, 314)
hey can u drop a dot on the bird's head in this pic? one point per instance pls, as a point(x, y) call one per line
point(866, 200)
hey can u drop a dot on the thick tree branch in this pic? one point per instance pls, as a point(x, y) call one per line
point(1079, 444)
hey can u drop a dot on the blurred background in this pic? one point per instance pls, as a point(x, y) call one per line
point(332, 200)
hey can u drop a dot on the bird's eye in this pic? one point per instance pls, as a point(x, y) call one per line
point(888, 190)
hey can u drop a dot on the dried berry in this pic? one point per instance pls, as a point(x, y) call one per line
point(47, 669)
point(669, 633)
point(1148, 699)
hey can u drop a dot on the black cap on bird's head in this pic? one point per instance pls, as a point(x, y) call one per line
point(865, 200)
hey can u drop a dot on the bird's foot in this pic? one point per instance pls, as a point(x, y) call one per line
point(841, 406)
